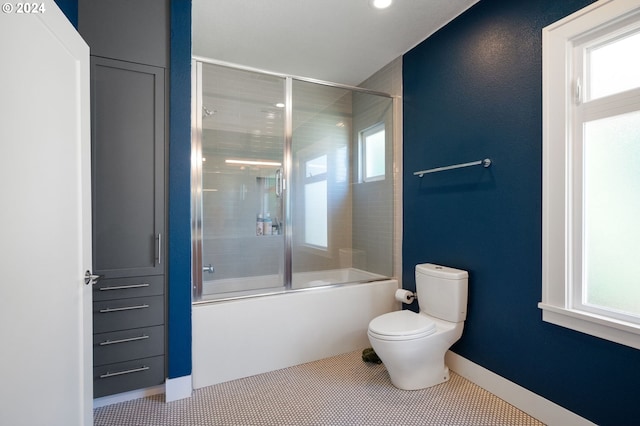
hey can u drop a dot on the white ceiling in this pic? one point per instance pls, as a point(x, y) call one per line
point(341, 41)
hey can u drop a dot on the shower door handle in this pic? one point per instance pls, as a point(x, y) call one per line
point(279, 183)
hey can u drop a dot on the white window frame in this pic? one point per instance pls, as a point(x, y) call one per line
point(559, 243)
point(363, 152)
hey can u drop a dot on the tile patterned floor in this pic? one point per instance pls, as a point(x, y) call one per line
point(341, 390)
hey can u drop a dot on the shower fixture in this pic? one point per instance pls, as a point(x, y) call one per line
point(206, 112)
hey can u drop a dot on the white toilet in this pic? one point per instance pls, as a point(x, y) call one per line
point(412, 346)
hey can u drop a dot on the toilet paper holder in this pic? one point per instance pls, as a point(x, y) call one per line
point(405, 296)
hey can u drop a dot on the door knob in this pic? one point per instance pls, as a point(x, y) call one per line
point(89, 278)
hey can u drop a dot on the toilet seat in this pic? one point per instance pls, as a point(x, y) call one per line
point(401, 325)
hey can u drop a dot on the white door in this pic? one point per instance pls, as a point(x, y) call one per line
point(45, 220)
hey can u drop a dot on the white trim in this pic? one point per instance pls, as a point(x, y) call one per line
point(603, 327)
point(178, 388)
point(533, 404)
point(557, 175)
point(127, 396)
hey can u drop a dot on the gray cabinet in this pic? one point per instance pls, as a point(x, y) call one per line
point(128, 168)
point(129, 44)
point(134, 31)
point(128, 339)
point(128, 126)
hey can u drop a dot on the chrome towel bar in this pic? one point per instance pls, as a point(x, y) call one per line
point(485, 163)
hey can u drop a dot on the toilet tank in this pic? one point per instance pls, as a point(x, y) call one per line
point(442, 291)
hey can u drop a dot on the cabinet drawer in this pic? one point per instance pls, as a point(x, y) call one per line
point(125, 376)
point(126, 345)
point(124, 314)
point(120, 288)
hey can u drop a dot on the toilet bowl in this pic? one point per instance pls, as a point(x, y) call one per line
point(412, 345)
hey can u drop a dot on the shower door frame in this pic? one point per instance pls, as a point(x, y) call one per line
point(196, 164)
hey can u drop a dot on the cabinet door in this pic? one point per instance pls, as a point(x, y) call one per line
point(128, 168)
point(135, 31)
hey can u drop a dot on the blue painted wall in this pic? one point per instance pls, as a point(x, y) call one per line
point(179, 282)
point(474, 90)
point(70, 10)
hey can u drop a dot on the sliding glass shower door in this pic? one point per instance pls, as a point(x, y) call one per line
point(238, 190)
point(292, 183)
point(341, 188)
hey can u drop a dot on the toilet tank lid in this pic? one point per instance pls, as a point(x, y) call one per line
point(441, 271)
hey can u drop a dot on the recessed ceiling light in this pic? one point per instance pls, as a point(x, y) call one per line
point(381, 4)
point(279, 105)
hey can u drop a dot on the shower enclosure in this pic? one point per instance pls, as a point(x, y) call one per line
point(292, 183)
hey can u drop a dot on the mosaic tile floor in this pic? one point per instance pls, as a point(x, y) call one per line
point(341, 390)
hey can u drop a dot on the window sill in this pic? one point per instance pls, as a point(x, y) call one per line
point(374, 179)
point(621, 332)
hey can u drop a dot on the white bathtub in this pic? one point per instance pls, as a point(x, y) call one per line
point(243, 337)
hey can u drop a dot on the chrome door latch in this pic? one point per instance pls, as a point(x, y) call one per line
point(89, 278)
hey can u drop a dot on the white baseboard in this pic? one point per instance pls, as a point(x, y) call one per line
point(179, 388)
point(127, 396)
point(533, 404)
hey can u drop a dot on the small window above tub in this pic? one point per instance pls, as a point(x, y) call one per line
point(372, 153)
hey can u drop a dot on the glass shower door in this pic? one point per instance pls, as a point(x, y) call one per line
point(341, 190)
point(239, 185)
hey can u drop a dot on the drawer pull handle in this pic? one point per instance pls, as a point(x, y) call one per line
point(124, 287)
point(130, 339)
point(126, 308)
point(120, 373)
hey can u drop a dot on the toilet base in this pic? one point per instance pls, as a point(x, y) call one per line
point(418, 381)
point(417, 363)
